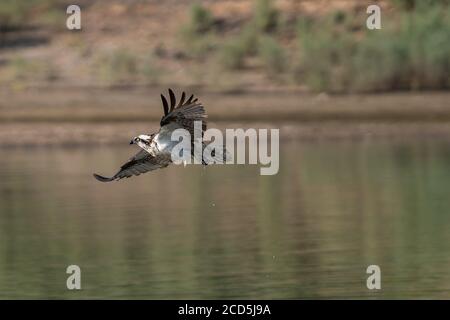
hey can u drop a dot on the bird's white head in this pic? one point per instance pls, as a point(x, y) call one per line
point(142, 140)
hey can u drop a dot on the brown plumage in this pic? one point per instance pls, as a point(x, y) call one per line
point(156, 147)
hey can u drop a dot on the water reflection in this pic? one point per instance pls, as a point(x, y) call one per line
point(225, 231)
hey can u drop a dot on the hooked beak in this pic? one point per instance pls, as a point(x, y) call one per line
point(132, 142)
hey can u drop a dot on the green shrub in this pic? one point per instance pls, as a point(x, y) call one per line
point(32, 70)
point(323, 53)
point(13, 12)
point(412, 55)
point(17, 13)
point(53, 18)
point(232, 54)
point(201, 19)
point(236, 49)
point(248, 39)
point(195, 45)
point(150, 71)
point(117, 67)
point(266, 16)
point(197, 36)
point(410, 52)
point(412, 4)
point(272, 55)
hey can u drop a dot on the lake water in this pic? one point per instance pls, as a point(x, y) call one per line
point(226, 232)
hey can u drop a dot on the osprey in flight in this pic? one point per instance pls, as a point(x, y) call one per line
point(157, 147)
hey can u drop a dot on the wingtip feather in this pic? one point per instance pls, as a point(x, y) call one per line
point(101, 178)
point(165, 105)
point(183, 96)
point(172, 99)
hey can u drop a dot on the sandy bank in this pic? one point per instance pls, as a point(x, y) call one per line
point(87, 116)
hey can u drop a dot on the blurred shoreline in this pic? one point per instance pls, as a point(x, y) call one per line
point(311, 68)
point(91, 117)
point(98, 105)
point(37, 135)
point(239, 45)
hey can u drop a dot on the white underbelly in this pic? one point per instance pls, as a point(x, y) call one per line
point(164, 140)
point(165, 144)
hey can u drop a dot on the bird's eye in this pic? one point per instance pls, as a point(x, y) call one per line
point(138, 139)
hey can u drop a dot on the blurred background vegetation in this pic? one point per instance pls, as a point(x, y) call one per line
point(319, 46)
point(364, 124)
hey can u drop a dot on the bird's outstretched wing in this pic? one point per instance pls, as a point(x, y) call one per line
point(140, 163)
point(183, 113)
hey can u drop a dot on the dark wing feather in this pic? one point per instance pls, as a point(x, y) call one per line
point(183, 96)
point(185, 113)
point(173, 100)
point(165, 105)
point(142, 162)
